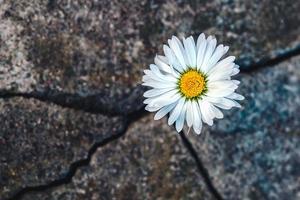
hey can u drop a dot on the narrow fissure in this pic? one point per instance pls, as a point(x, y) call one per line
point(87, 104)
point(286, 55)
point(81, 163)
point(96, 105)
point(71, 172)
point(202, 170)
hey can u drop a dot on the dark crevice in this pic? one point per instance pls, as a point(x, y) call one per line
point(81, 163)
point(71, 172)
point(202, 170)
point(106, 104)
point(280, 57)
point(101, 103)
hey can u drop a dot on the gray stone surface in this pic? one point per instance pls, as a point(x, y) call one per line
point(255, 153)
point(90, 47)
point(90, 54)
point(39, 142)
point(149, 162)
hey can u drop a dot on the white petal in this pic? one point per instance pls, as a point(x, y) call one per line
point(235, 71)
point(223, 106)
point(236, 82)
point(154, 81)
point(152, 78)
point(221, 72)
point(205, 112)
point(151, 108)
point(180, 120)
point(237, 104)
point(219, 52)
point(163, 59)
point(156, 92)
point(165, 102)
point(158, 84)
point(198, 129)
point(226, 61)
point(219, 92)
point(190, 49)
point(164, 99)
point(197, 123)
point(166, 96)
point(158, 60)
point(201, 46)
point(236, 96)
point(220, 85)
point(176, 111)
point(172, 58)
point(155, 71)
point(222, 102)
point(176, 48)
point(211, 45)
point(213, 112)
point(200, 39)
point(220, 88)
point(181, 47)
point(226, 48)
point(189, 114)
point(164, 110)
point(218, 114)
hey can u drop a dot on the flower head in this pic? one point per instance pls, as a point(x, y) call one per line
point(191, 82)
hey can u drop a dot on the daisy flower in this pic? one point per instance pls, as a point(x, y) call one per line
point(191, 83)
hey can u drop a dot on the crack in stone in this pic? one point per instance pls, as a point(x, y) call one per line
point(202, 170)
point(71, 172)
point(93, 104)
point(101, 103)
point(131, 118)
point(280, 57)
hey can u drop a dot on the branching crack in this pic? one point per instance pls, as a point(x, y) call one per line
point(96, 104)
point(71, 172)
point(202, 170)
point(80, 163)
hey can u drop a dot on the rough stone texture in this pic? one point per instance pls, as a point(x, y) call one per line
point(255, 153)
point(90, 46)
point(15, 69)
point(150, 162)
point(38, 141)
point(90, 55)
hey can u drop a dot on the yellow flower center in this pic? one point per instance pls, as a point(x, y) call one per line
point(192, 83)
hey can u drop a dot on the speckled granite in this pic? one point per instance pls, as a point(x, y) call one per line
point(39, 142)
point(255, 153)
point(150, 162)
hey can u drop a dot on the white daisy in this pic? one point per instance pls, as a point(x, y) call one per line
point(191, 82)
